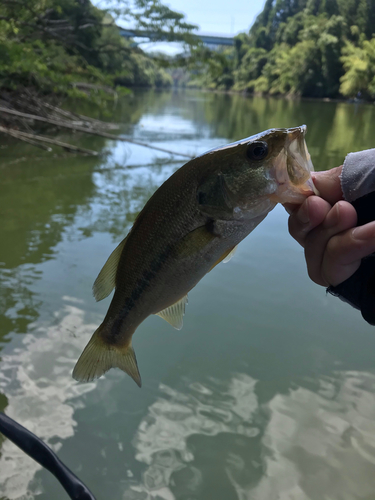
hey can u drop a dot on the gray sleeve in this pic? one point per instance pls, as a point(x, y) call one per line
point(358, 174)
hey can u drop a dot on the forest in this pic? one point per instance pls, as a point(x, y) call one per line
point(51, 50)
point(309, 48)
point(72, 48)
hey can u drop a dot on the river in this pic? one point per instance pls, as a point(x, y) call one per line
point(268, 391)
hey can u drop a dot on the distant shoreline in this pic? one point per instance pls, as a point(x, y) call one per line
point(280, 96)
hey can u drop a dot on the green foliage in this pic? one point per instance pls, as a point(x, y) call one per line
point(317, 48)
point(49, 69)
point(250, 67)
point(142, 71)
point(51, 45)
point(166, 23)
point(212, 69)
point(359, 63)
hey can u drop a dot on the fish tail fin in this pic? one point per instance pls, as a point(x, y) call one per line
point(99, 356)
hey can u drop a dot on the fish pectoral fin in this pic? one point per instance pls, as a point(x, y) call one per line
point(194, 242)
point(227, 255)
point(106, 280)
point(230, 254)
point(99, 356)
point(174, 314)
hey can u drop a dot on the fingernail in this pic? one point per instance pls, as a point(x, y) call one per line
point(303, 213)
point(364, 233)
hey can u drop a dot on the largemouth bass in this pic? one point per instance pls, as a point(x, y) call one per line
point(194, 220)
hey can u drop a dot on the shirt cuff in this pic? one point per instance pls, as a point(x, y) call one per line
point(358, 174)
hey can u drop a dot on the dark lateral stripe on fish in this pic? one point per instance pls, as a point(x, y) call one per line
point(139, 288)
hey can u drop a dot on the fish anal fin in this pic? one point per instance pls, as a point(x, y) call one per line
point(106, 280)
point(174, 314)
point(227, 255)
point(98, 357)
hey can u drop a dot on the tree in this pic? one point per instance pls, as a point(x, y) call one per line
point(359, 65)
point(299, 47)
point(51, 49)
point(50, 44)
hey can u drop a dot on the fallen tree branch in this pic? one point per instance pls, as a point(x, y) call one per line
point(14, 134)
point(69, 114)
point(91, 86)
point(88, 130)
point(33, 137)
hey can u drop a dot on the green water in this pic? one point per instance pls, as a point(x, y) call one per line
point(267, 393)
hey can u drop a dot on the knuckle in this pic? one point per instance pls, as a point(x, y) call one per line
point(316, 276)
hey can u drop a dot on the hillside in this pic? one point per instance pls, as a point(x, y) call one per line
point(311, 48)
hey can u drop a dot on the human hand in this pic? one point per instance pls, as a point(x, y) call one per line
point(325, 227)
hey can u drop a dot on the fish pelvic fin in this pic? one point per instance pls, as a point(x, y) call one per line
point(174, 314)
point(99, 356)
point(106, 280)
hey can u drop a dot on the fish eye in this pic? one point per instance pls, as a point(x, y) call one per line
point(257, 150)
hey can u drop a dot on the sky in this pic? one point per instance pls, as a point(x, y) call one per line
point(224, 17)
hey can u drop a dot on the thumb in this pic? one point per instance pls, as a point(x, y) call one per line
point(328, 184)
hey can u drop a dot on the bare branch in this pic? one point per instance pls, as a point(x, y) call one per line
point(88, 130)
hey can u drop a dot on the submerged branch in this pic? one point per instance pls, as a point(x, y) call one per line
point(31, 138)
point(87, 130)
point(23, 138)
point(84, 118)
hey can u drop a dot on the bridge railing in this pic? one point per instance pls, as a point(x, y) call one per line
point(153, 35)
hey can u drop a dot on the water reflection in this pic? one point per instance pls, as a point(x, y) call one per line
point(217, 440)
point(321, 444)
point(188, 433)
point(36, 379)
point(121, 194)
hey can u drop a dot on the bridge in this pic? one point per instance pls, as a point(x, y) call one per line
point(153, 35)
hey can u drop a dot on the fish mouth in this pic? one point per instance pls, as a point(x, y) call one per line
point(293, 169)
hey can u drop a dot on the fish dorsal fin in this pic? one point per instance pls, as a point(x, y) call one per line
point(106, 280)
point(230, 254)
point(175, 313)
